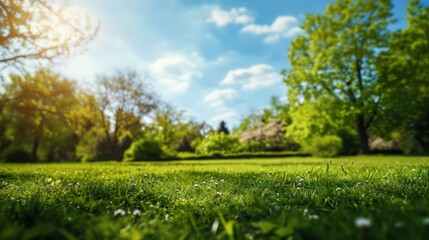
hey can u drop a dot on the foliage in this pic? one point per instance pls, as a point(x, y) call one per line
point(37, 111)
point(124, 99)
point(223, 128)
point(336, 58)
point(218, 143)
point(144, 149)
point(325, 146)
point(16, 154)
point(40, 30)
point(299, 198)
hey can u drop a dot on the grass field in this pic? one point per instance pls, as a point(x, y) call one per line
point(292, 198)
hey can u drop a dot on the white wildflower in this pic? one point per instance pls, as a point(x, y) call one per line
point(363, 222)
point(119, 212)
point(137, 213)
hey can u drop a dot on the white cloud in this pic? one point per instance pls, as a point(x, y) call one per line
point(234, 16)
point(173, 73)
point(216, 98)
point(253, 77)
point(230, 116)
point(282, 27)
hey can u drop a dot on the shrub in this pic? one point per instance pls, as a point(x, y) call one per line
point(218, 143)
point(144, 149)
point(16, 154)
point(326, 146)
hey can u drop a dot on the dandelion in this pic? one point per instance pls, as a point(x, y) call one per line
point(137, 213)
point(363, 222)
point(119, 212)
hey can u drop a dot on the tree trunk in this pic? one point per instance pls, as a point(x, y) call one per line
point(34, 157)
point(363, 136)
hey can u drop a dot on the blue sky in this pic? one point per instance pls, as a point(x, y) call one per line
point(218, 60)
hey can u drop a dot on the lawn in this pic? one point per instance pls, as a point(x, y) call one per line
point(376, 197)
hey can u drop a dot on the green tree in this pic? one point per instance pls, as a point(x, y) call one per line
point(336, 58)
point(124, 100)
point(40, 30)
point(38, 114)
point(223, 128)
point(405, 70)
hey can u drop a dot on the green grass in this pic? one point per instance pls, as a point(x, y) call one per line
point(302, 198)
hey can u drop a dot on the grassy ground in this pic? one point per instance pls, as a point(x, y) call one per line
point(300, 198)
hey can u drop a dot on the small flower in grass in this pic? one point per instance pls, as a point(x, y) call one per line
point(363, 222)
point(211, 180)
point(218, 194)
point(196, 185)
point(119, 212)
point(338, 189)
point(222, 181)
point(216, 183)
point(313, 217)
point(426, 221)
point(145, 175)
point(137, 213)
point(209, 188)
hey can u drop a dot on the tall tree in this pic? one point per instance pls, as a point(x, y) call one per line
point(223, 128)
point(40, 30)
point(124, 100)
point(38, 116)
point(405, 70)
point(336, 57)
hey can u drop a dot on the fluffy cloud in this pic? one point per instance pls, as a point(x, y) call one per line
point(282, 27)
point(234, 16)
point(253, 77)
point(174, 72)
point(231, 116)
point(216, 98)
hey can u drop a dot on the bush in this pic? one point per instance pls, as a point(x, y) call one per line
point(326, 146)
point(144, 149)
point(218, 143)
point(16, 154)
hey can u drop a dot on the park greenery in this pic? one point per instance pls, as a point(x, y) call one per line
point(354, 86)
point(136, 167)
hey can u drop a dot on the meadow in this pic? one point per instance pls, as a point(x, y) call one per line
point(376, 197)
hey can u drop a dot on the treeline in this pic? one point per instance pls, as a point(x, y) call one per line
point(354, 87)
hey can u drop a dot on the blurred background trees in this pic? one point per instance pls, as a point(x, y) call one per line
point(354, 86)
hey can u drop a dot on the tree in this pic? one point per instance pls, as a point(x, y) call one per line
point(37, 117)
point(223, 128)
point(124, 100)
point(40, 30)
point(405, 70)
point(336, 58)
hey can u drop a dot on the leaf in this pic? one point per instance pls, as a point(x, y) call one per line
point(265, 226)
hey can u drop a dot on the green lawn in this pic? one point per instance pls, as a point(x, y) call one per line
point(303, 198)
